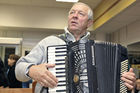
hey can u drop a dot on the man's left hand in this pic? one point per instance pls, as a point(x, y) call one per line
point(129, 79)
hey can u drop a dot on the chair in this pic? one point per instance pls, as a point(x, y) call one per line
point(33, 86)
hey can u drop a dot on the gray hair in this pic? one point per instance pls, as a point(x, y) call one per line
point(90, 12)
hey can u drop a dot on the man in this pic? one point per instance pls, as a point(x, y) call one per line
point(34, 64)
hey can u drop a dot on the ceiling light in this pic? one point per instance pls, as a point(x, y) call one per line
point(67, 0)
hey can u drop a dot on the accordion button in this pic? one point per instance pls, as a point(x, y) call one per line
point(76, 78)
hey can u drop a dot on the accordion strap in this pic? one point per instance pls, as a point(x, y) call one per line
point(63, 37)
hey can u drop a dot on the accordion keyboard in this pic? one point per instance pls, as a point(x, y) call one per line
point(56, 55)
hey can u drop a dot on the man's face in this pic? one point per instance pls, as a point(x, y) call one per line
point(78, 18)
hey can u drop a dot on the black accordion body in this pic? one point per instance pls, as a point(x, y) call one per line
point(91, 67)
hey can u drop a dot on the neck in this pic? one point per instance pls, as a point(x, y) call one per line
point(78, 34)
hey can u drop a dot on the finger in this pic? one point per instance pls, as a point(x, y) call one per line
point(129, 75)
point(50, 74)
point(52, 82)
point(130, 87)
point(47, 84)
point(127, 81)
point(131, 70)
point(52, 79)
point(42, 84)
point(50, 65)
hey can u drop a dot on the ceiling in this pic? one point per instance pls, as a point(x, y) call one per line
point(128, 16)
point(49, 3)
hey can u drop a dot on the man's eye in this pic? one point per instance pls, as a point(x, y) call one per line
point(71, 12)
point(82, 14)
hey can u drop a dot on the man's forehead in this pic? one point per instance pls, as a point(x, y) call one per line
point(80, 7)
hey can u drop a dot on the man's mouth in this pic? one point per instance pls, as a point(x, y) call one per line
point(73, 22)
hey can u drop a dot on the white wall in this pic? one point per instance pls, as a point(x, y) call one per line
point(101, 36)
point(127, 35)
point(35, 17)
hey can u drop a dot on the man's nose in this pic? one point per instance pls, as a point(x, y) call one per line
point(75, 15)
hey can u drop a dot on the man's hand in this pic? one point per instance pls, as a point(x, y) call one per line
point(41, 74)
point(129, 79)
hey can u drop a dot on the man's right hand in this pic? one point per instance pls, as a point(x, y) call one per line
point(41, 74)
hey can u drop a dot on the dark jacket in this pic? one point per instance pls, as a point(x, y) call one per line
point(13, 82)
point(3, 76)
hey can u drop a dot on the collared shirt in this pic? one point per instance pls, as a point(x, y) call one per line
point(70, 36)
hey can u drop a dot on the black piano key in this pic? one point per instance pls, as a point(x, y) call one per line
point(60, 68)
point(60, 60)
point(61, 55)
point(60, 90)
point(59, 63)
point(60, 76)
point(60, 51)
point(61, 85)
point(60, 72)
point(60, 48)
point(62, 81)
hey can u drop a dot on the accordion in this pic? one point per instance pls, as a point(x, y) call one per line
point(91, 67)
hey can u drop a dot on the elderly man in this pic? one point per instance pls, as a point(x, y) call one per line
point(34, 64)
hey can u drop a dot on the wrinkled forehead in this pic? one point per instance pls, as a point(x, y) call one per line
point(80, 7)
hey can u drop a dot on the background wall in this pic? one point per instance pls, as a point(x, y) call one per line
point(127, 35)
point(31, 16)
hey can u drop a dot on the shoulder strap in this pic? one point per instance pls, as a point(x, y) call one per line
point(63, 37)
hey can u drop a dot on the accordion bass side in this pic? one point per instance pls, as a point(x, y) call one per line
point(96, 67)
point(92, 67)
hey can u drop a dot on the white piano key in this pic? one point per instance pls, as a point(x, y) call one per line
point(57, 88)
point(56, 50)
point(62, 70)
point(51, 48)
point(61, 78)
point(60, 88)
point(61, 74)
point(60, 53)
point(61, 83)
point(58, 57)
point(51, 61)
point(59, 66)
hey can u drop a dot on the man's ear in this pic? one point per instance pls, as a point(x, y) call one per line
point(90, 22)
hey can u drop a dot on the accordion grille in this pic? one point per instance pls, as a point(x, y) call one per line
point(124, 66)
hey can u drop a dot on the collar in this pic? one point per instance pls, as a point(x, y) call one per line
point(70, 36)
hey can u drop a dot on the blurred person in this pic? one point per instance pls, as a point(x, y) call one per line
point(13, 82)
point(3, 77)
point(137, 88)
